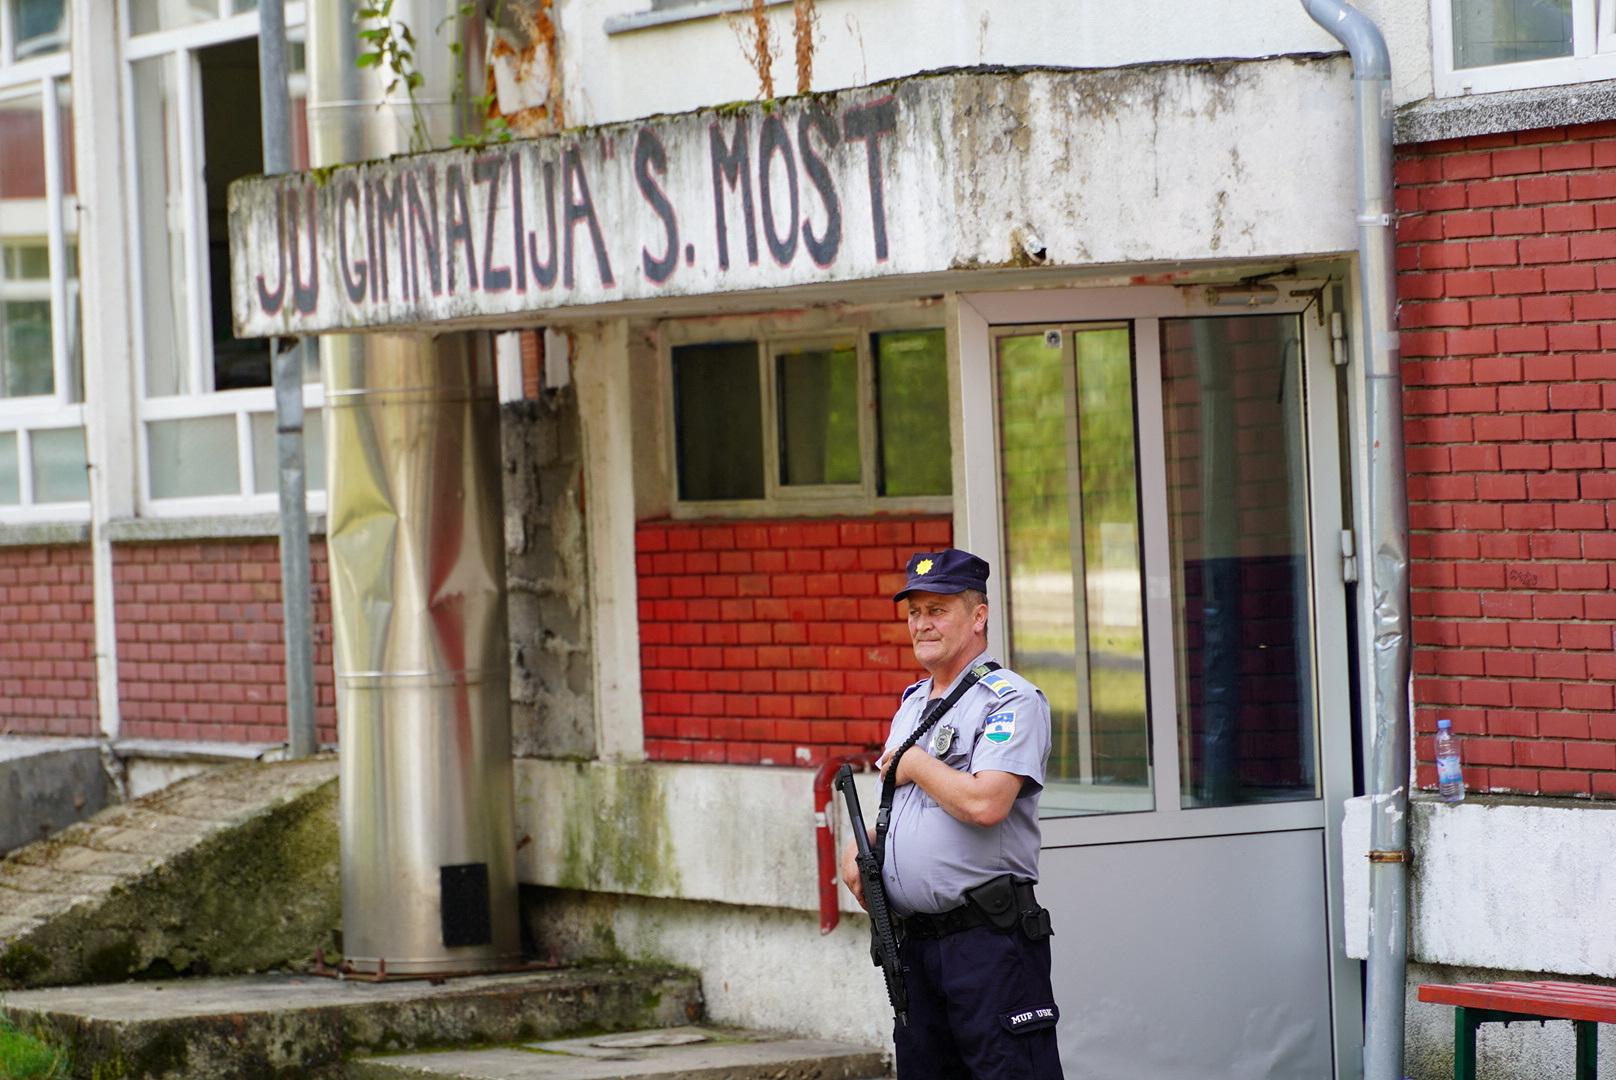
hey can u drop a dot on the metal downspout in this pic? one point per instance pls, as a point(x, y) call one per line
point(297, 608)
point(1388, 539)
point(415, 537)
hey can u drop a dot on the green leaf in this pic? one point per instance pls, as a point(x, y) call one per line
point(415, 80)
point(369, 59)
point(373, 35)
point(369, 13)
point(406, 34)
point(387, 8)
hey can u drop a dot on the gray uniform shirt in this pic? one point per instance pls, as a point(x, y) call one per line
point(1000, 724)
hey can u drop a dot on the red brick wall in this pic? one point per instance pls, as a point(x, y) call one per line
point(774, 642)
point(199, 641)
point(1507, 259)
point(47, 641)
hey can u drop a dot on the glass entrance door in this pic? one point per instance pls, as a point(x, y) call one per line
point(1165, 528)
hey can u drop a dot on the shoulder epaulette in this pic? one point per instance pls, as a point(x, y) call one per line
point(996, 682)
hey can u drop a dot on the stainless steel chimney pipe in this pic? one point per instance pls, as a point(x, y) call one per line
point(415, 540)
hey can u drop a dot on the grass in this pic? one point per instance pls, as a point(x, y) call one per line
point(24, 1057)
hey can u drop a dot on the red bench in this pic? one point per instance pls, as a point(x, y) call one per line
point(1475, 1004)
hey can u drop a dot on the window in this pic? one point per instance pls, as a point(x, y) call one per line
point(855, 416)
point(42, 459)
point(206, 402)
point(1488, 45)
point(31, 28)
point(659, 12)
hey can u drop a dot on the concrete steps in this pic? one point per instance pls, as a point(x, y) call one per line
point(281, 1027)
point(234, 870)
point(688, 1053)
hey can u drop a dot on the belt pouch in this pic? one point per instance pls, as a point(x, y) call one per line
point(995, 900)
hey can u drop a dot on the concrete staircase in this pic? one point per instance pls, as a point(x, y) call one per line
point(233, 870)
point(233, 873)
point(281, 1027)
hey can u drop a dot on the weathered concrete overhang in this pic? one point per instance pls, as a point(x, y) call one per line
point(952, 173)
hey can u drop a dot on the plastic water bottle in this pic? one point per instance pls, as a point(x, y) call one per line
point(1449, 776)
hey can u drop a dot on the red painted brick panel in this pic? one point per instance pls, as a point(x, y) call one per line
point(1508, 245)
point(47, 641)
point(200, 653)
point(800, 657)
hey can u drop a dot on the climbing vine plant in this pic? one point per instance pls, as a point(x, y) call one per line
point(390, 45)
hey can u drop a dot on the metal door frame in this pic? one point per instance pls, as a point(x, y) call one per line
point(977, 527)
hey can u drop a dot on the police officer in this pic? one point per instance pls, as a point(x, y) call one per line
point(961, 849)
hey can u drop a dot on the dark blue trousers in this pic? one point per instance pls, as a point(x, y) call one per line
point(980, 1008)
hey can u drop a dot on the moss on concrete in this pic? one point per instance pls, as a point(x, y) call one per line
point(624, 844)
point(257, 896)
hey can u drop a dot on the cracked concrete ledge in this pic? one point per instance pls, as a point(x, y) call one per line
point(234, 870)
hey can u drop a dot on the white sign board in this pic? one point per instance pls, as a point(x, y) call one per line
point(927, 175)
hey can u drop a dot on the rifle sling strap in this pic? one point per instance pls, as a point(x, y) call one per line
point(889, 782)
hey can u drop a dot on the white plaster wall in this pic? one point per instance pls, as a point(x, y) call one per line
point(735, 834)
point(684, 65)
point(741, 905)
point(1499, 885)
point(760, 968)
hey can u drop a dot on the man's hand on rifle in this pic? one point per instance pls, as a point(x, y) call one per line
point(850, 871)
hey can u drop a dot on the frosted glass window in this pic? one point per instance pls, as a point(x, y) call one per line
point(59, 467)
point(10, 489)
point(1487, 32)
point(193, 457)
point(266, 464)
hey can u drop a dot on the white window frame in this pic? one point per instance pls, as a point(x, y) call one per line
point(772, 337)
point(44, 76)
point(180, 45)
point(1593, 54)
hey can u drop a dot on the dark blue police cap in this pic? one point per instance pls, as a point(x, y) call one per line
point(948, 571)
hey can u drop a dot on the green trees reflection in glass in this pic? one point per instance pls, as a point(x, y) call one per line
point(1069, 481)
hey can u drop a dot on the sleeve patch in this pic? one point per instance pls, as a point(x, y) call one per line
point(999, 727)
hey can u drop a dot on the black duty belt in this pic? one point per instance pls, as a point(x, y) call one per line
point(921, 927)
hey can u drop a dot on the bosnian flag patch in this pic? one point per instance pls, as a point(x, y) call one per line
point(999, 727)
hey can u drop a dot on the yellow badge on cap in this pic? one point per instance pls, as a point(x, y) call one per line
point(923, 567)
